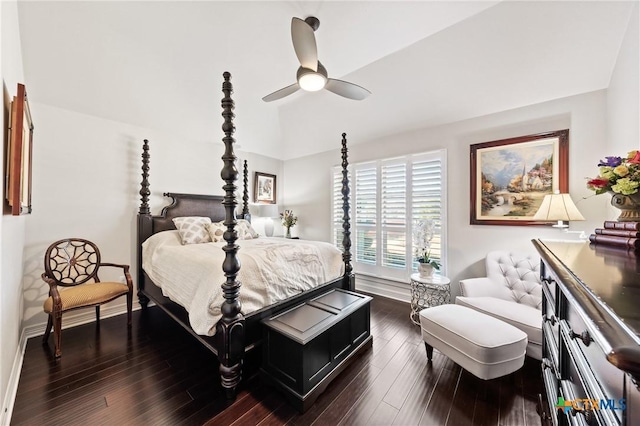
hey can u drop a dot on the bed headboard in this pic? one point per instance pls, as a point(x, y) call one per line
point(188, 205)
point(182, 204)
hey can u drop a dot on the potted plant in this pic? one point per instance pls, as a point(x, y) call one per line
point(423, 231)
point(620, 176)
point(288, 221)
point(427, 264)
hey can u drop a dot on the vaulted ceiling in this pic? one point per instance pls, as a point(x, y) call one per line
point(159, 64)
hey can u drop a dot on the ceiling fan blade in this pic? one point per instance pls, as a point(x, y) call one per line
point(304, 43)
point(279, 94)
point(346, 89)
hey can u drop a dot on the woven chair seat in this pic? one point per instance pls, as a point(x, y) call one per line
point(87, 295)
point(71, 270)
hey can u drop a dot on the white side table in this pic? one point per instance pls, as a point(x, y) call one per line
point(426, 292)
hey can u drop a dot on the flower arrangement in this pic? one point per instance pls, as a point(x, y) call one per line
point(288, 219)
point(423, 231)
point(617, 174)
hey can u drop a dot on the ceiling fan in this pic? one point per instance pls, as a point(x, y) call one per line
point(312, 75)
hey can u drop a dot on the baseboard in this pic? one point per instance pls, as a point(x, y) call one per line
point(381, 287)
point(14, 379)
point(81, 317)
point(69, 320)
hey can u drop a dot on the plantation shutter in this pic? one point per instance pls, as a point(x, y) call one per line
point(426, 190)
point(393, 211)
point(366, 217)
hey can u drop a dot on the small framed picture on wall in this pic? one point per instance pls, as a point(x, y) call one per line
point(264, 188)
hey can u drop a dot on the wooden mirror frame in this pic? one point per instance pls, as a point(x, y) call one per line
point(19, 168)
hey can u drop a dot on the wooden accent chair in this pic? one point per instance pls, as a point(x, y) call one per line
point(73, 263)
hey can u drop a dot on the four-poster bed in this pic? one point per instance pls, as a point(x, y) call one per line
point(236, 334)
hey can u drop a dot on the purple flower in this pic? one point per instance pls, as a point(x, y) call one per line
point(610, 162)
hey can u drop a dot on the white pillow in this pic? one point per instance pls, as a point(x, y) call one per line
point(245, 228)
point(192, 229)
point(216, 231)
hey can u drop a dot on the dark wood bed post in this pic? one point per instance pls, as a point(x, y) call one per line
point(245, 193)
point(145, 223)
point(346, 220)
point(230, 329)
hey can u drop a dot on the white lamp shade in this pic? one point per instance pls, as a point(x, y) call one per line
point(268, 210)
point(558, 207)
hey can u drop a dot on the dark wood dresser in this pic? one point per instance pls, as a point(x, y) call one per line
point(591, 329)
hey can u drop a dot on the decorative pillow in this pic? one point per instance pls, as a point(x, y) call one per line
point(245, 227)
point(216, 231)
point(192, 229)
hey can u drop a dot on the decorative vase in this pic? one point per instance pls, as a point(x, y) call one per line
point(288, 234)
point(425, 270)
point(629, 206)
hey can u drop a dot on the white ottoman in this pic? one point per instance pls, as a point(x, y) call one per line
point(481, 344)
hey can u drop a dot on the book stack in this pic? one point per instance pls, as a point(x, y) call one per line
point(622, 235)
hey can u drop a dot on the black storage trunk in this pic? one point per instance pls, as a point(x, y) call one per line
point(308, 345)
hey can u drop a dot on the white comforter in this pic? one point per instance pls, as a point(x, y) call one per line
point(272, 269)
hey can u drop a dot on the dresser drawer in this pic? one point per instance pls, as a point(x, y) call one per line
point(588, 374)
point(575, 386)
point(633, 400)
point(550, 348)
point(609, 384)
point(549, 286)
point(549, 293)
point(550, 324)
point(550, 378)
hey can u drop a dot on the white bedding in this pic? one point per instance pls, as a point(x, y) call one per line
point(272, 269)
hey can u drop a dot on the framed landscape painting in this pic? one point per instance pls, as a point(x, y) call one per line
point(510, 177)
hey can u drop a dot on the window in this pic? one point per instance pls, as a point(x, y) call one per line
point(387, 196)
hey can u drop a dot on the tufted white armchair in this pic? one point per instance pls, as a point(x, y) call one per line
point(511, 292)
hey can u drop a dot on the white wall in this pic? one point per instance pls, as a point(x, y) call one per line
point(86, 183)
point(308, 183)
point(260, 163)
point(12, 228)
point(623, 97)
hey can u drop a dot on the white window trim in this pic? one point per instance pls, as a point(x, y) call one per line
point(381, 272)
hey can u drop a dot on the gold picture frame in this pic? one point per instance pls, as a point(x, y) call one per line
point(19, 154)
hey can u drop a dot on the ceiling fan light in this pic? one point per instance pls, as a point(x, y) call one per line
point(312, 81)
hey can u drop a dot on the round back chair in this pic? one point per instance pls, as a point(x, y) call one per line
point(73, 263)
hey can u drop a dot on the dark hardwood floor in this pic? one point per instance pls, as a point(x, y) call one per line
point(158, 375)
